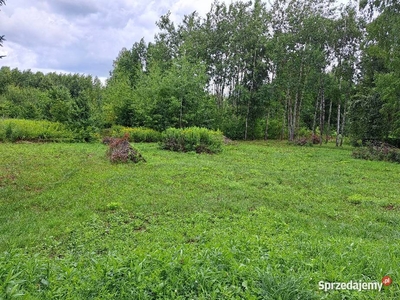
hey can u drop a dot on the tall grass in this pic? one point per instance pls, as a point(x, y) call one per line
point(192, 139)
point(14, 130)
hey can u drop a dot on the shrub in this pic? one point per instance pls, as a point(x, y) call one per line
point(86, 134)
point(136, 134)
point(14, 130)
point(302, 141)
point(304, 132)
point(378, 151)
point(316, 139)
point(393, 141)
point(356, 143)
point(120, 151)
point(192, 139)
point(232, 126)
point(275, 130)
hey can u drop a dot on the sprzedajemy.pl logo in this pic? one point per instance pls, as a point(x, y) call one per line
point(355, 285)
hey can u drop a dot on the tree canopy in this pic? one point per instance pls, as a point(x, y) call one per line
point(283, 70)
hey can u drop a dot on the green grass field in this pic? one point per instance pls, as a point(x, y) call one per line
point(258, 221)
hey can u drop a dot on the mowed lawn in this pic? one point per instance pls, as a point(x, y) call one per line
point(261, 220)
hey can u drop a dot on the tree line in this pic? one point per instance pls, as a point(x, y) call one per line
point(71, 99)
point(255, 71)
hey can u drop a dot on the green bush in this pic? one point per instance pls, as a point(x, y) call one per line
point(304, 132)
point(13, 130)
point(136, 134)
point(85, 134)
point(378, 151)
point(275, 130)
point(192, 139)
point(233, 127)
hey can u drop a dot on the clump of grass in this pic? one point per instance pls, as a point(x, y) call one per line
point(199, 140)
point(113, 205)
point(356, 199)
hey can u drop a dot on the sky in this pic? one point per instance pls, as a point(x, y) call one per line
point(82, 36)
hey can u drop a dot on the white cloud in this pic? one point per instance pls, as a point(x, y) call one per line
point(82, 36)
point(18, 55)
point(30, 26)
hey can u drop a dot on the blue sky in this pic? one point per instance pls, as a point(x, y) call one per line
point(81, 36)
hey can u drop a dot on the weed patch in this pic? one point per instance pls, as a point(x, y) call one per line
point(199, 140)
point(13, 130)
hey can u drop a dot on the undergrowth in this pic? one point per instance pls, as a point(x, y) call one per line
point(378, 151)
point(13, 130)
point(192, 139)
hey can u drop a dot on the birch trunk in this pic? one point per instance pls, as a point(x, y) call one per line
point(322, 115)
point(338, 126)
point(315, 115)
point(329, 123)
point(266, 126)
point(343, 123)
point(247, 120)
